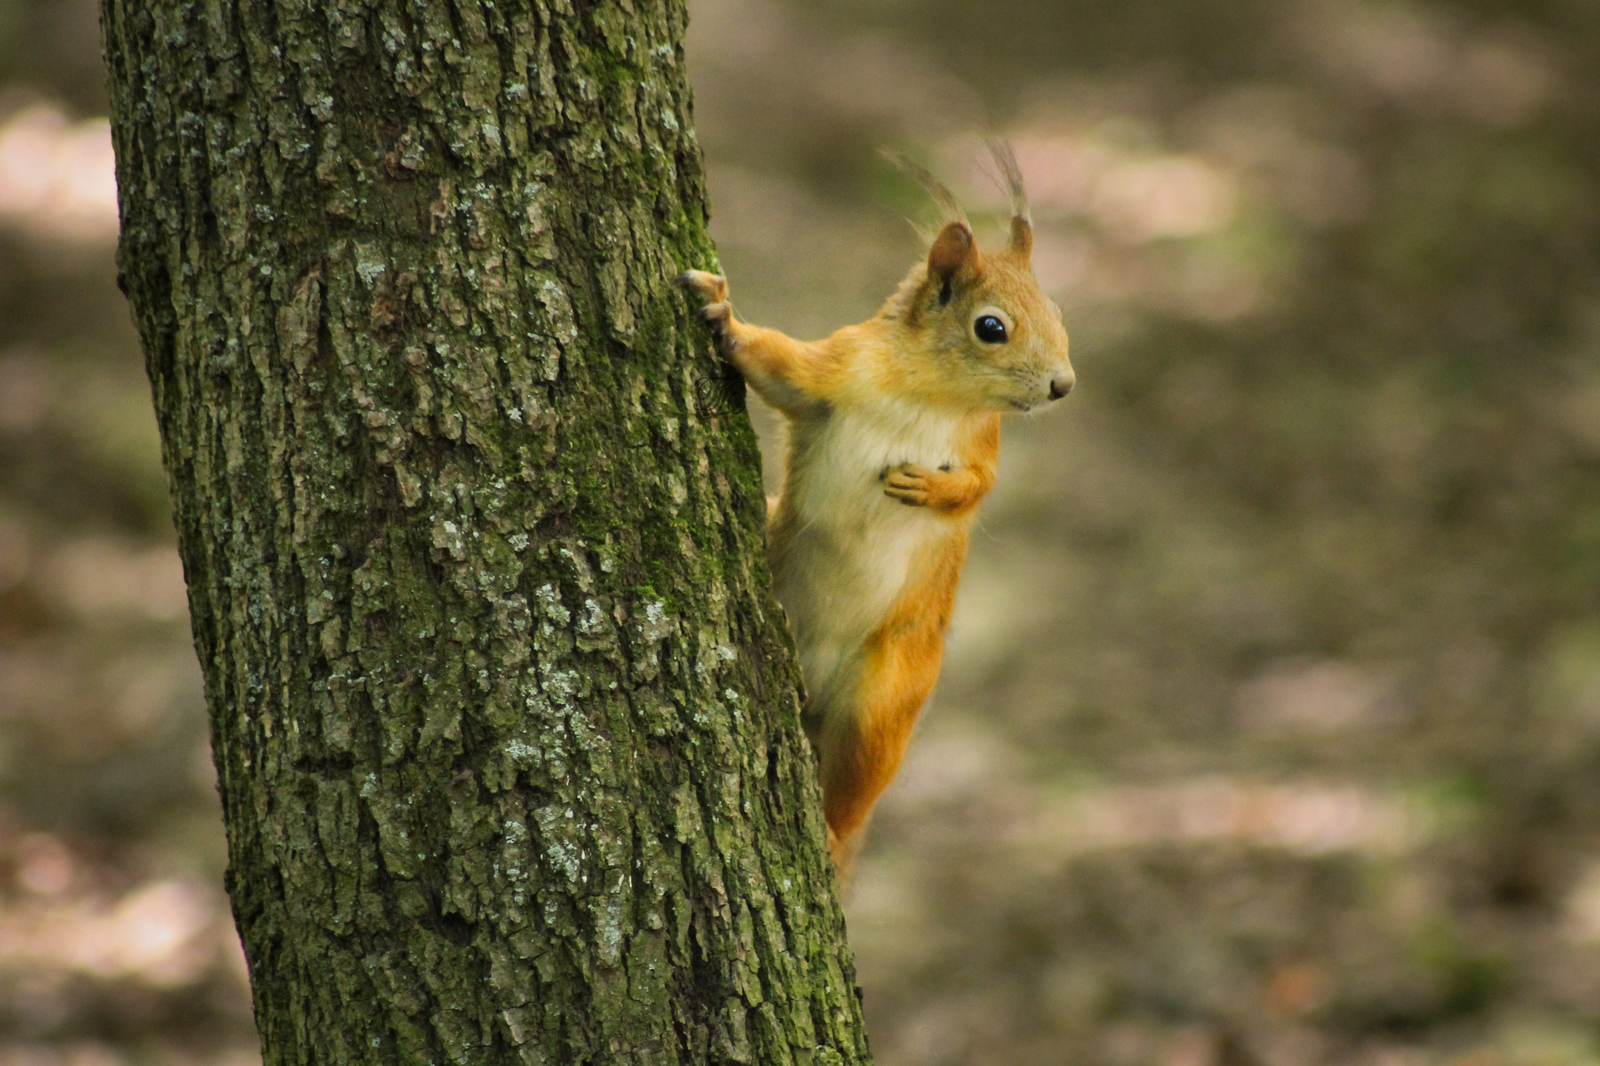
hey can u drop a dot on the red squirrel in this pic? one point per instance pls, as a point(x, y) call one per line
point(894, 433)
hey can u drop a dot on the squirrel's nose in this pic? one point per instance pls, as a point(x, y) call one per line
point(1060, 386)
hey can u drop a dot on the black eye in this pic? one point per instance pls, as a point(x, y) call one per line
point(990, 330)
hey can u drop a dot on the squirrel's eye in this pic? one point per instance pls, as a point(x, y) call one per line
point(989, 329)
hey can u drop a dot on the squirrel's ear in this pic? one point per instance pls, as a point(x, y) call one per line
point(953, 253)
point(1021, 236)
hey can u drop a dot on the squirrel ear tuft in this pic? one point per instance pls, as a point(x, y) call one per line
point(952, 250)
point(1021, 236)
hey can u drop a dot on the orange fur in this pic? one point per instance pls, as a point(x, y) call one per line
point(900, 666)
point(894, 437)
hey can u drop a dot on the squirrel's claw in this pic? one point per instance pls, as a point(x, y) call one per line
point(719, 317)
point(712, 288)
point(718, 310)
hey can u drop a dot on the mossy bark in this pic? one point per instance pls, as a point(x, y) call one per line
point(504, 714)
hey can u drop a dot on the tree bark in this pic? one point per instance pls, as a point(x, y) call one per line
point(505, 717)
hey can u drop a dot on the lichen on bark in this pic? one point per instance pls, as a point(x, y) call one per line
point(504, 714)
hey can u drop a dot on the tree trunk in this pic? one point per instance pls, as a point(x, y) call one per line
point(504, 714)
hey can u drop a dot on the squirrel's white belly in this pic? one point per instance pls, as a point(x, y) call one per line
point(849, 553)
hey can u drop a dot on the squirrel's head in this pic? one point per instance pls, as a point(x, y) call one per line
point(993, 339)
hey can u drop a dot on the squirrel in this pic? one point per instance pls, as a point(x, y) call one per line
point(894, 435)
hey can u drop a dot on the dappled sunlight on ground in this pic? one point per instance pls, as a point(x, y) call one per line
point(56, 176)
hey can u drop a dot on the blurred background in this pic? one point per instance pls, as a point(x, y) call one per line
point(1270, 727)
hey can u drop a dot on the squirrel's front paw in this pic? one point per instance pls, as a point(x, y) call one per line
point(718, 311)
point(712, 288)
point(908, 483)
